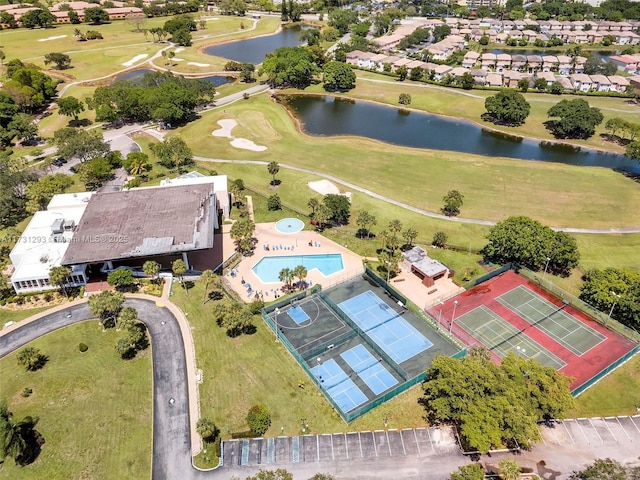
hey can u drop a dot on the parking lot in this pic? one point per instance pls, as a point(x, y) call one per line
point(613, 431)
point(416, 442)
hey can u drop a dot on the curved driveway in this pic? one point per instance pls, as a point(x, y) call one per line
point(171, 428)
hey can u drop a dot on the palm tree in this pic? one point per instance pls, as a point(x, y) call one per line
point(127, 318)
point(384, 238)
point(179, 268)
point(58, 276)
point(139, 163)
point(285, 276)
point(273, 169)
point(207, 429)
point(151, 269)
point(409, 235)
point(395, 226)
point(322, 215)
point(236, 189)
point(30, 358)
point(300, 272)
point(313, 204)
point(206, 278)
point(509, 469)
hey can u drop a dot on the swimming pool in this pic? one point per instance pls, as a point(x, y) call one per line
point(289, 225)
point(268, 269)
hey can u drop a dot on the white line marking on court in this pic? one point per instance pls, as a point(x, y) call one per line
point(596, 430)
point(417, 442)
point(318, 447)
point(567, 430)
point(360, 443)
point(624, 429)
point(430, 440)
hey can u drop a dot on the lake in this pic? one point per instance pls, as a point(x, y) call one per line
point(253, 50)
point(328, 116)
point(136, 76)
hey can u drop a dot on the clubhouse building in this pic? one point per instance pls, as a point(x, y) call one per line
point(95, 233)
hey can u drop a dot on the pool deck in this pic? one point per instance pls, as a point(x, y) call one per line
point(303, 243)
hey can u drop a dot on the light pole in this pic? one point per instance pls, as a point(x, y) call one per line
point(277, 310)
point(453, 317)
point(615, 302)
point(545, 267)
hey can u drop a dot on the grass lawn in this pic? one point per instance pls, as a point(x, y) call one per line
point(250, 369)
point(616, 394)
point(17, 315)
point(95, 409)
point(494, 188)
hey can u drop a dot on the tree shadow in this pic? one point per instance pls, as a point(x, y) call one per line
point(33, 446)
point(40, 363)
point(82, 122)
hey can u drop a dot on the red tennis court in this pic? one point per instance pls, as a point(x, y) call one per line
point(509, 313)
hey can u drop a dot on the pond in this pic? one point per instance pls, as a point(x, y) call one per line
point(136, 76)
point(320, 115)
point(253, 50)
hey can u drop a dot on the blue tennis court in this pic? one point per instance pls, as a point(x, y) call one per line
point(298, 315)
point(340, 387)
point(397, 337)
point(369, 369)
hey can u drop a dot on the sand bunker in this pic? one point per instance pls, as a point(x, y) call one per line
point(57, 37)
point(247, 145)
point(135, 59)
point(179, 49)
point(197, 64)
point(224, 131)
point(226, 127)
point(324, 187)
point(176, 59)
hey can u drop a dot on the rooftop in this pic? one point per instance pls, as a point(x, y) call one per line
point(142, 222)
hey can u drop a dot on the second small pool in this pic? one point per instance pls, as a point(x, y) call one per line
point(268, 269)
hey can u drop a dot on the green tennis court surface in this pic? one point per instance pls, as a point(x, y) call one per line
point(501, 337)
point(568, 331)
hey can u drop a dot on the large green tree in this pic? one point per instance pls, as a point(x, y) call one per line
point(338, 76)
point(96, 15)
point(472, 471)
point(258, 419)
point(121, 278)
point(342, 19)
point(576, 119)
point(60, 60)
point(453, 200)
point(365, 221)
point(507, 107)
point(606, 469)
point(289, 67)
point(70, 107)
point(40, 193)
point(529, 243)
point(614, 290)
point(82, 144)
point(13, 199)
point(242, 233)
point(494, 406)
point(339, 206)
point(172, 152)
